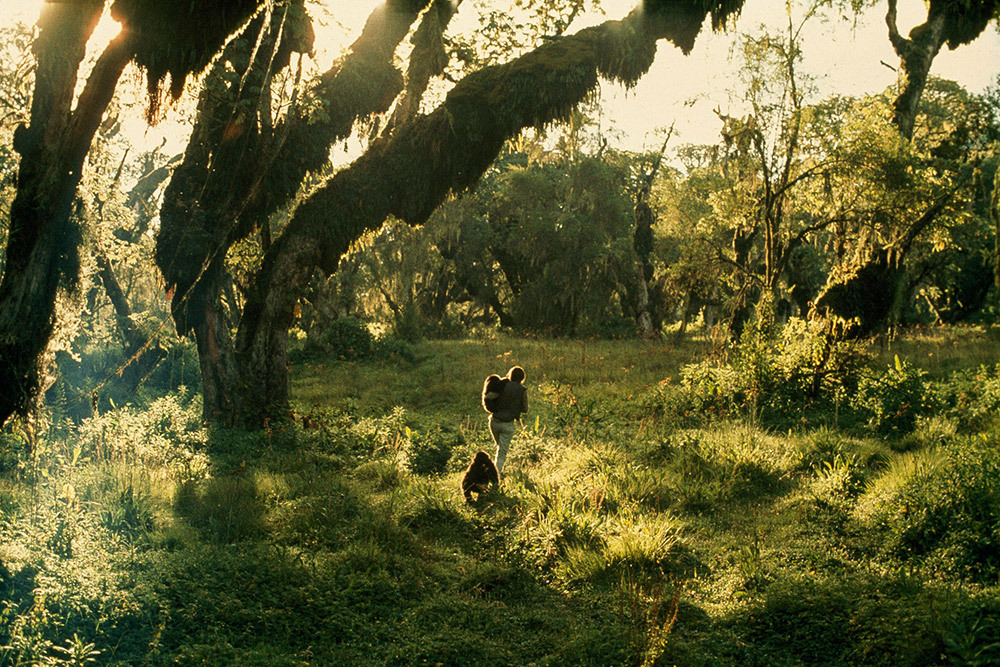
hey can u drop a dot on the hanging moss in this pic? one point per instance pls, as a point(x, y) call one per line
point(680, 20)
point(446, 151)
point(863, 298)
point(179, 37)
point(234, 175)
point(965, 20)
point(363, 83)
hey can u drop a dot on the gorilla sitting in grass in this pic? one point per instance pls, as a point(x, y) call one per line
point(481, 473)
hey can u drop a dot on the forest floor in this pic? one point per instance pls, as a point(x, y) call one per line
point(627, 530)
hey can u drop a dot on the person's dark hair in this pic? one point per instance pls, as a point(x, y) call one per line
point(516, 374)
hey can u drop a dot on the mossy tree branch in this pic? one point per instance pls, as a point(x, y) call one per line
point(410, 174)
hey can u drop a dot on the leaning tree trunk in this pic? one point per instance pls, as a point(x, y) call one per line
point(410, 174)
point(234, 176)
point(916, 55)
point(954, 23)
point(857, 303)
point(43, 242)
point(141, 352)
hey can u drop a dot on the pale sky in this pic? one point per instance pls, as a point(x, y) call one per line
point(843, 55)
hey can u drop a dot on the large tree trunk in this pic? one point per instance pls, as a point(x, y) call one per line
point(642, 243)
point(234, 176)
point(216, 357)
point(409, 175)
point(42, 246)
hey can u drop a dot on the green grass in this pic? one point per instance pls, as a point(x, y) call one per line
point(623, 534)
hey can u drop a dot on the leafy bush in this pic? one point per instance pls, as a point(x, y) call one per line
point(428, 453)
point(892, 400)
point(393, 348)
point(774, 374)
point(347, 338)
point(940, 507)
point(169, 434)
point(13, 447)
point(129, 512)
point(971, 397)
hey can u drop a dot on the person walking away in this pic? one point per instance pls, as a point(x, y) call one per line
point(510, 405)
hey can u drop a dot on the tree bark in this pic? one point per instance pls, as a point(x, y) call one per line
point(43, 242)
point(234, 176)
point(916, 55)
point(995, 216)
point(409, 175)
point(642, 244)
point(142, 353)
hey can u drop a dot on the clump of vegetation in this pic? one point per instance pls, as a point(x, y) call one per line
point(893, 399)
point(428, 453)
point(349, 339)
point(618, 539)
point(780, 375)
point(939, 508)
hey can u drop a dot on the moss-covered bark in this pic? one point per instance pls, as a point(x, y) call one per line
point(178, 38)
point(239, 167)
point(865, 298)
point(43, 242)
point(409, 175)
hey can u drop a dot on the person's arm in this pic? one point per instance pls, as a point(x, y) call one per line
point(524, 401)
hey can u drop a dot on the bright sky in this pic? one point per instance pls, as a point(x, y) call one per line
point(843, 56)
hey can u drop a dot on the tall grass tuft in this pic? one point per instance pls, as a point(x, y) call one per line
point(225, 510)
point(939, 508)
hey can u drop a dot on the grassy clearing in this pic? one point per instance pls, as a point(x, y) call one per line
point(630, 528)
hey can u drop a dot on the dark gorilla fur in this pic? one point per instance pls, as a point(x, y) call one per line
point(481, 473)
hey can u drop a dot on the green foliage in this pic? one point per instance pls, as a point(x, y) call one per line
point(779, 375)
point(227, 509)
point(347, 338)
point(428, 453)
point(169, 435)
point(969, 396)
point(939, 508)
point(893, 400)
point(644, 543)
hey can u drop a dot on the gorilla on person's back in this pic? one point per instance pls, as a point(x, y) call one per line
point(480, 474)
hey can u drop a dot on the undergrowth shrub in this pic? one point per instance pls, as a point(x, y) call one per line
point(347, 338)
point(730, 464)
point(128, 509)
point(779, 375)
point(892, 400)
point(168, 435)
point(382, 435)
point(971, 397)
point(382, 474)
point(939, 507)
point(825, 445)
point(13, 448)
point(428, 453)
